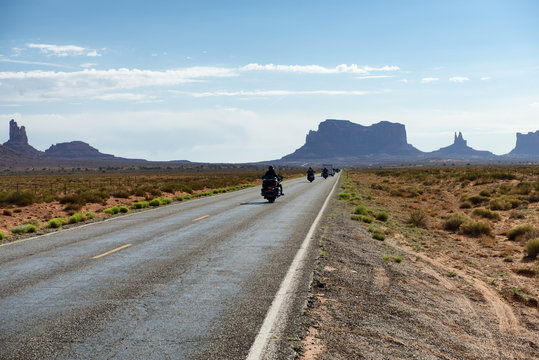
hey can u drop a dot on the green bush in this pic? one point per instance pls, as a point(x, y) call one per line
point(355, 217)
point(165, 201)
point(366, 219)
point(155, 202)
point(344, 195)
point(499, 204)
point(475, 228)
point(417, 218)
point(532, 247)
point(112, 210)
point(466, 205)
point(486, 213)
point(453, 221)
point(478, 199)
point(56, 222)
point(123, 209)
point(140, 205)
point(188, 197)
point(75, 218)
point(89, 215)
point(485, 193)
point(382, 216)
point(361, 210)
point(378, 235)
point(2, 235)
point(523, 232)
point(23, 229)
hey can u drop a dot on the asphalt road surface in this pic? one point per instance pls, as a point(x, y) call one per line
point(191, 280)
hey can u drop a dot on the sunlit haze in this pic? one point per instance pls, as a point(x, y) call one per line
point(241, 81)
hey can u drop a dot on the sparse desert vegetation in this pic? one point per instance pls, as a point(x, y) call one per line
point(483, 220)
point(47, 197)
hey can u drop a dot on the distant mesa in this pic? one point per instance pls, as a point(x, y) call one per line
point(18, 140)
point(343, 139)
point(76, 150)
point(460, 150)
point(527, 145)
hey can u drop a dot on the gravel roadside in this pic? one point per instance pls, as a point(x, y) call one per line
point(373, 300)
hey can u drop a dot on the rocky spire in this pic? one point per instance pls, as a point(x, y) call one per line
point(18, 140)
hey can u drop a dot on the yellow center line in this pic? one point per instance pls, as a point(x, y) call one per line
point(200, 218)
point(112, 251)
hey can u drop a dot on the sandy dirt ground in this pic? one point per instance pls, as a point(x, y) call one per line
point(422, 293)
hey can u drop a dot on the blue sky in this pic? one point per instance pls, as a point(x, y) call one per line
point(238, 81)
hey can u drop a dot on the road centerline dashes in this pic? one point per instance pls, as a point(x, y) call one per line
point(112, 251)
point(200, 218)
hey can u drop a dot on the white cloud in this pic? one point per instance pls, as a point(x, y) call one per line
point(64, 50)
point(403, 80)
point(88, 65)
point(485, 78)
point(278, 93)
point(375, 77)
point(89, 83)
point(33, 63)
point(458, 79)
point(124, 97)
point(429, 79)
point(317, 69)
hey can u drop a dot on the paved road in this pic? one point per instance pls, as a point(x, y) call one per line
point(186, 281)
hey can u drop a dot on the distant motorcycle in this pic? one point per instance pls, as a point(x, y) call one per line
point(325, 173)
point(271, 189)
point(310, 177)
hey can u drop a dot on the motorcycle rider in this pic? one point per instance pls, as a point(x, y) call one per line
point(310, 171)
point(270, 174)
point(325, 172)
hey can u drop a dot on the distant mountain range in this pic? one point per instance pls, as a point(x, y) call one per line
point(346, 143)
point(340, 142)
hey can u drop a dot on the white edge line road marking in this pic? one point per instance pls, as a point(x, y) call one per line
point(277, 306)
point(200, 218)
point(112, 251)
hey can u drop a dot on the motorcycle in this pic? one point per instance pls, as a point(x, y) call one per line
point(310, 177)
point(325, 174)
point(270, 189)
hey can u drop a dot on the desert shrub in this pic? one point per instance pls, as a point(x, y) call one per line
point(466, 205)
point(486, 213)
point(188, 197)
point(499, 204)
point(173, 187)
point(179, 198)
point(122, 194)
point(378, 235)
point(155, 202)
point(475, 228)
point(2, 235)
point(32, 222)
point(75, 218)
point(533, 198)
point(478, 199)
point(453, 221)
point(355, 217)
point(516, 215)
point(23, 229)
point(84, 197)
point(344, 195)
point(360, 210)
point(19, 198)
point(366, 219)
point(140, 205)
point(7, 212)
point(417, 218)
point(514, 202)
point(532, 247)
point(89, 215)
point(155, 192)
point(112, 210)
point(123, 209)
point(165, 201)
point(485, 193)
point(56, 222)
point(382, 216)
point(523, 232)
